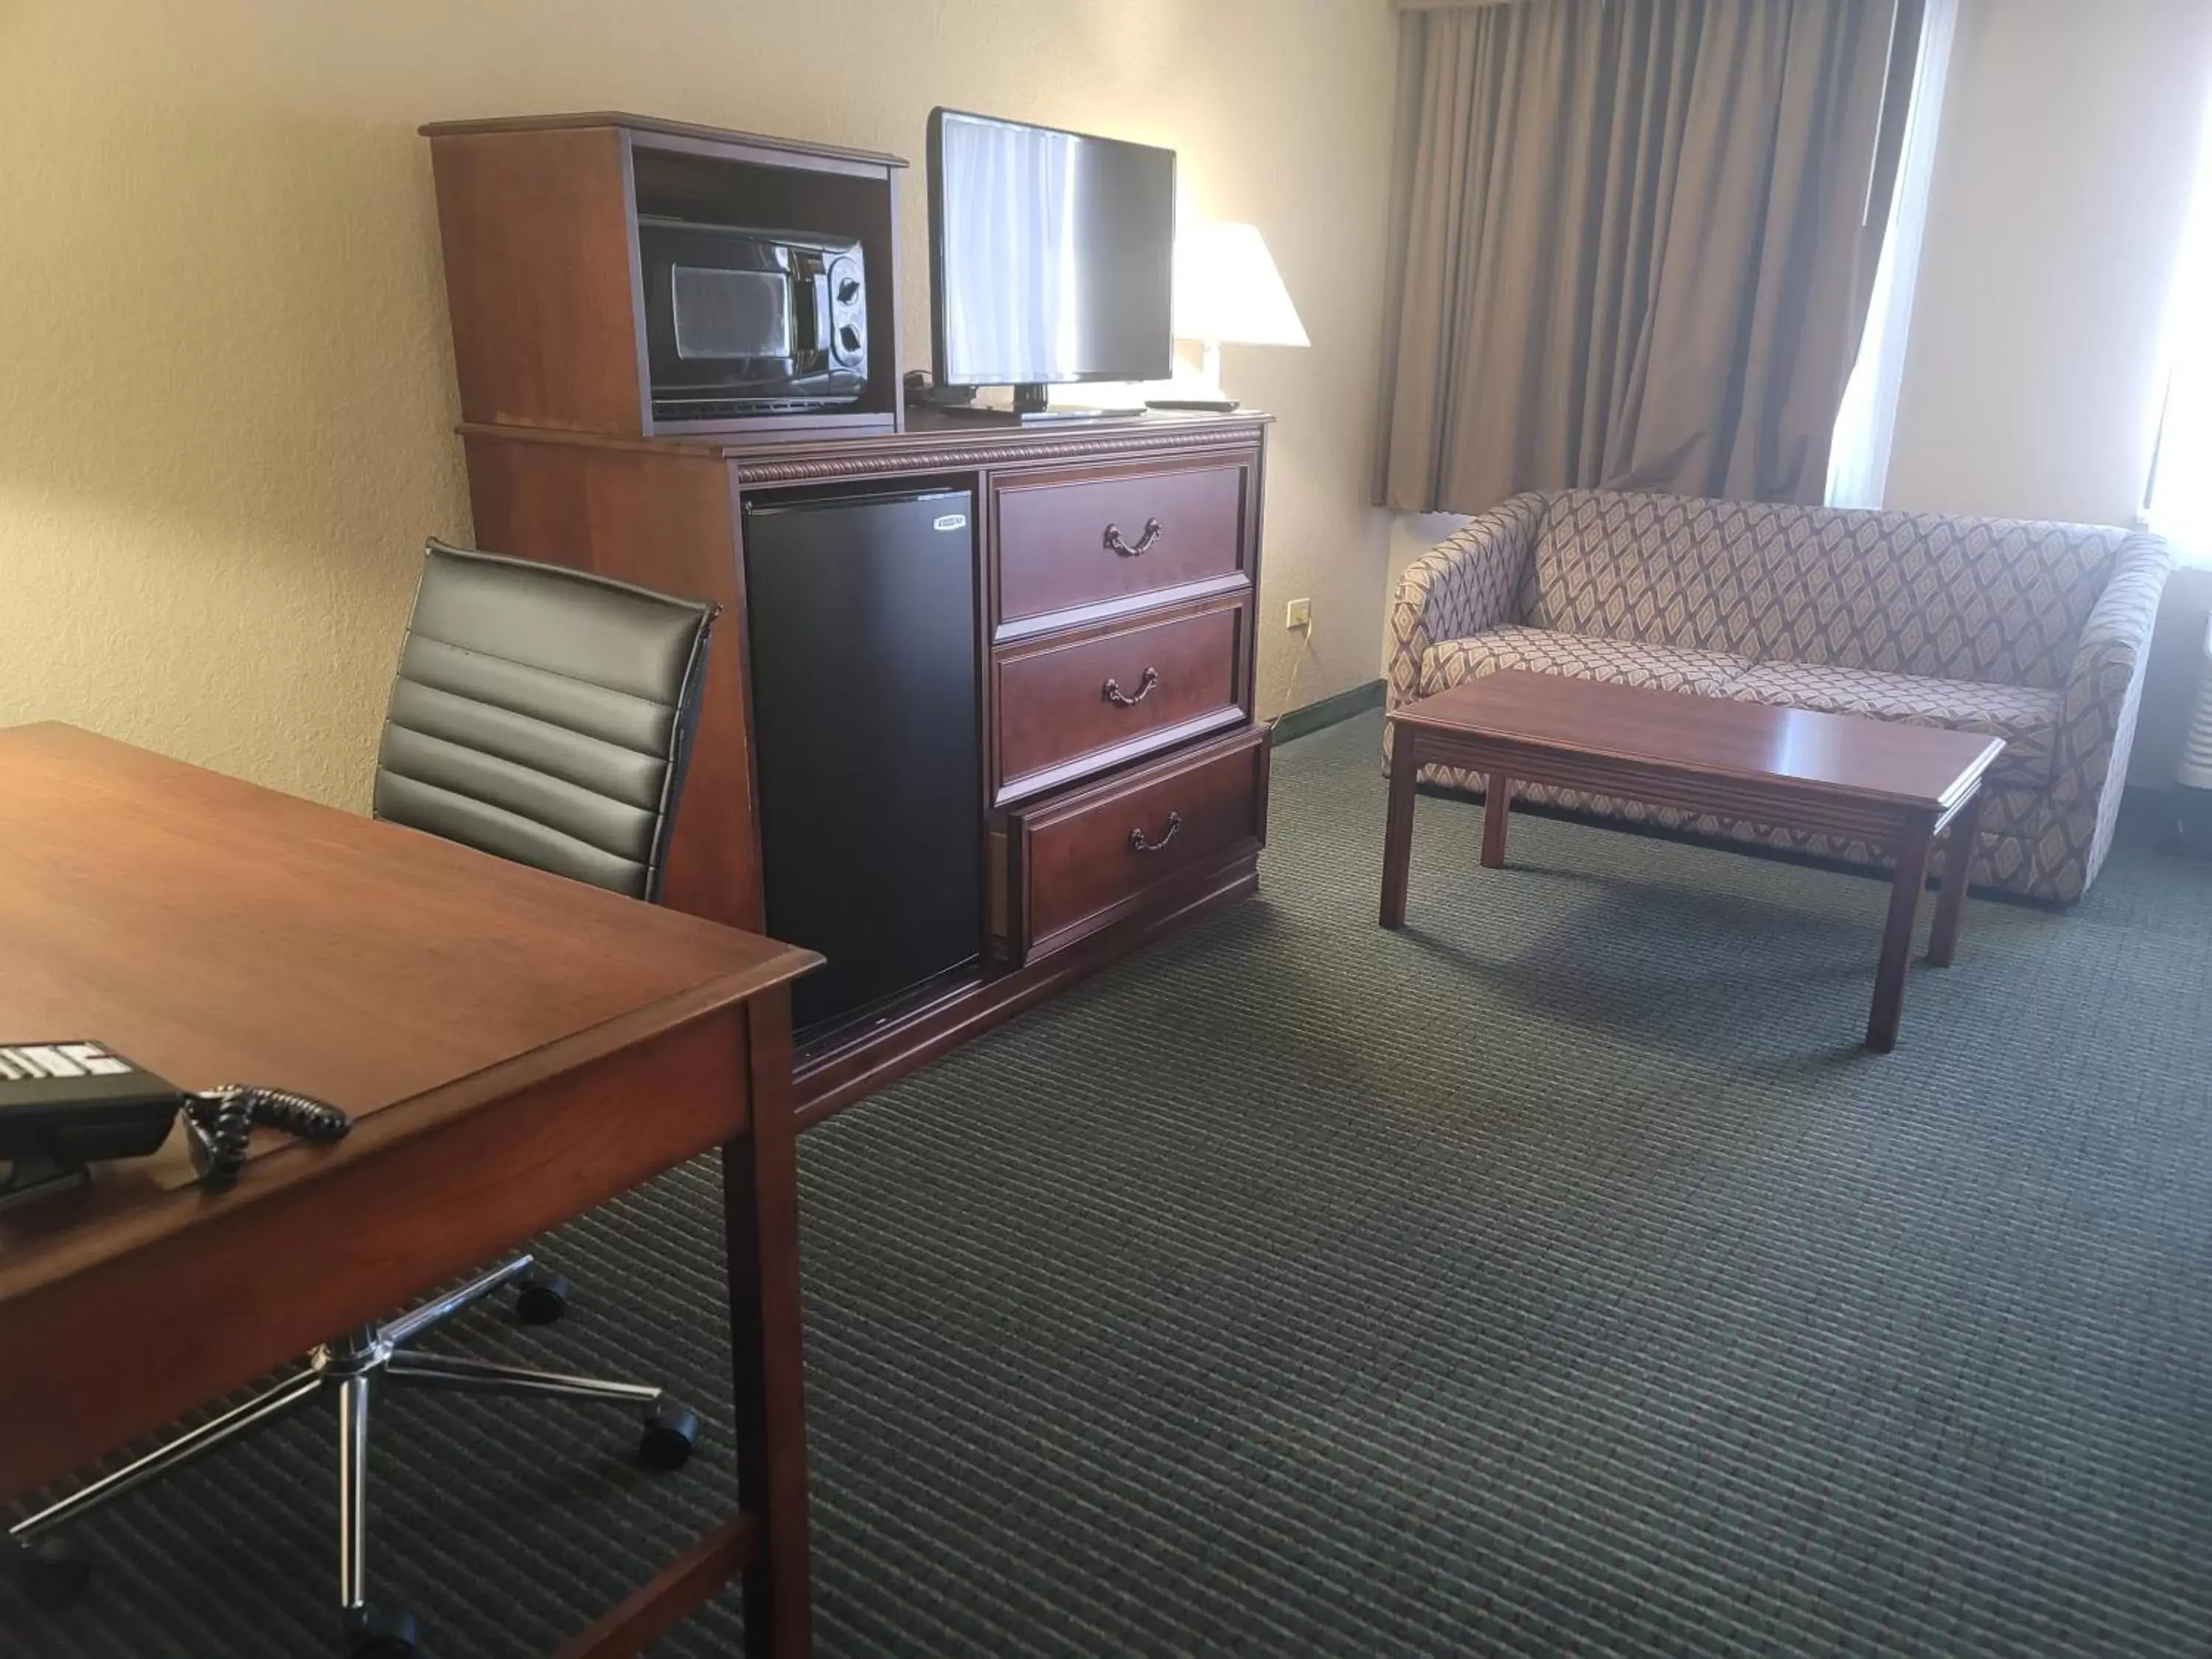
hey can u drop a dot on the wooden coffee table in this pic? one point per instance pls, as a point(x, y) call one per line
point(1895, 786)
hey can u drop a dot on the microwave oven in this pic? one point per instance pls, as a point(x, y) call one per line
point(751, 322)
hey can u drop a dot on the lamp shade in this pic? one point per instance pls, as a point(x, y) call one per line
point(1226, 287)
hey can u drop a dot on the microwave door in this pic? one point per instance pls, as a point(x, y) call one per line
point(740, 322)
point(720, 314)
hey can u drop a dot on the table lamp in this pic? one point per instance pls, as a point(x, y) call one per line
point(1227, 290)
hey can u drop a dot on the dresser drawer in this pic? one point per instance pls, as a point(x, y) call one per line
point(1073, 542)
point(1067, 708)
point(1087, 859)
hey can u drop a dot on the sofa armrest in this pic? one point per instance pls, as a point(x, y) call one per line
point(2096, 720)
point(1464, 584)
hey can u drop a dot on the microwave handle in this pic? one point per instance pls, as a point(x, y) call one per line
point(821, 284)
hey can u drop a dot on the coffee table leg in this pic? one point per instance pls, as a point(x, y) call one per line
point(1398, 828)
point(1497, 803)
point(1897, 938)
point(1951, 901)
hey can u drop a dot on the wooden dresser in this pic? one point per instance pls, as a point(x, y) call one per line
point(1125, 777)
point(1120, 776)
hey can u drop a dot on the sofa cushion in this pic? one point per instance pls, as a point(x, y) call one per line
point(1580, 657)
point(2025, 717)
point(1991, 599)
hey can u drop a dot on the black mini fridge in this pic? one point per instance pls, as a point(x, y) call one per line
point(861, 617)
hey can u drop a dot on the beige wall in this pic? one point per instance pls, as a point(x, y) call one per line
point(2069, 133)
point(2034, 373)
point(226, 410)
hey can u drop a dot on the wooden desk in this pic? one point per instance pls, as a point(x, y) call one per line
point(515, 1049)
point(1893, 786)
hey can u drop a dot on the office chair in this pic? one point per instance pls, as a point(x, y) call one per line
point(543, 715)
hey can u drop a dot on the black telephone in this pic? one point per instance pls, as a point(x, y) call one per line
point(66, 1105)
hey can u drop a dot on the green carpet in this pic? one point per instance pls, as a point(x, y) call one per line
point(1557, 1276)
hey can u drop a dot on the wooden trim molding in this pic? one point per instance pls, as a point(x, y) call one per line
point(719, 137)
point(1331, 710)
point(935, 453)
point(876, 454)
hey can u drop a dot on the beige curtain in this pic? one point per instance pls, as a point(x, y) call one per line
point(1632, 243)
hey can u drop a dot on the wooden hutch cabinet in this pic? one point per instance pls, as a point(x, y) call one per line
point(1119, 780)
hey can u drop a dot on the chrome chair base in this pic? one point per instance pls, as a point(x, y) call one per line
point(351, 1370)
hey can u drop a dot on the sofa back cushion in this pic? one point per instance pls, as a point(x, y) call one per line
point(1997, 599)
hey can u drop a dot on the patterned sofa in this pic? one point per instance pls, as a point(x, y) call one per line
point(2035, 632)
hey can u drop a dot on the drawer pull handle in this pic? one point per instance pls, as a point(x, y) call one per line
point(1138, 844)
point(1113, 693)
point(1137, 550)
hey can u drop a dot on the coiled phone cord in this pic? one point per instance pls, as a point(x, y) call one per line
point(219, 1124)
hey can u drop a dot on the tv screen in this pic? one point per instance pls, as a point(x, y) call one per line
point(1053, 254)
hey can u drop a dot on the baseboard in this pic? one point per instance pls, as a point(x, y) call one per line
point(1303, 722)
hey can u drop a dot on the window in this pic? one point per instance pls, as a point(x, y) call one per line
point(1858, 459)
point(2179, 500)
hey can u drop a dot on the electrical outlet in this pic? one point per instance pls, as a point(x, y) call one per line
point(1299, 616)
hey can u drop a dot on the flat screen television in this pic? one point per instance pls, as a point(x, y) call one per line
point(1052, 257)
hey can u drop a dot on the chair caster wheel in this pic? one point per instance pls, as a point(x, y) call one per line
point(380, 1633)
point(543, 1298)
point(670, 1431)
point(50, 1575)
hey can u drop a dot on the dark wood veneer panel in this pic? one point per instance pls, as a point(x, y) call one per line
point(664, 521)
point(1056, 719)
point(1051, 544)
point(1087, 859)
point(541, 277)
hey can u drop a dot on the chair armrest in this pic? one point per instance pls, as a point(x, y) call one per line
point(2105, 682)
point(1464, 584)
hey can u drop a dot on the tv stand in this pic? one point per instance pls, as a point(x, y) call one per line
point(1115, 569)
point(1106, 574)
